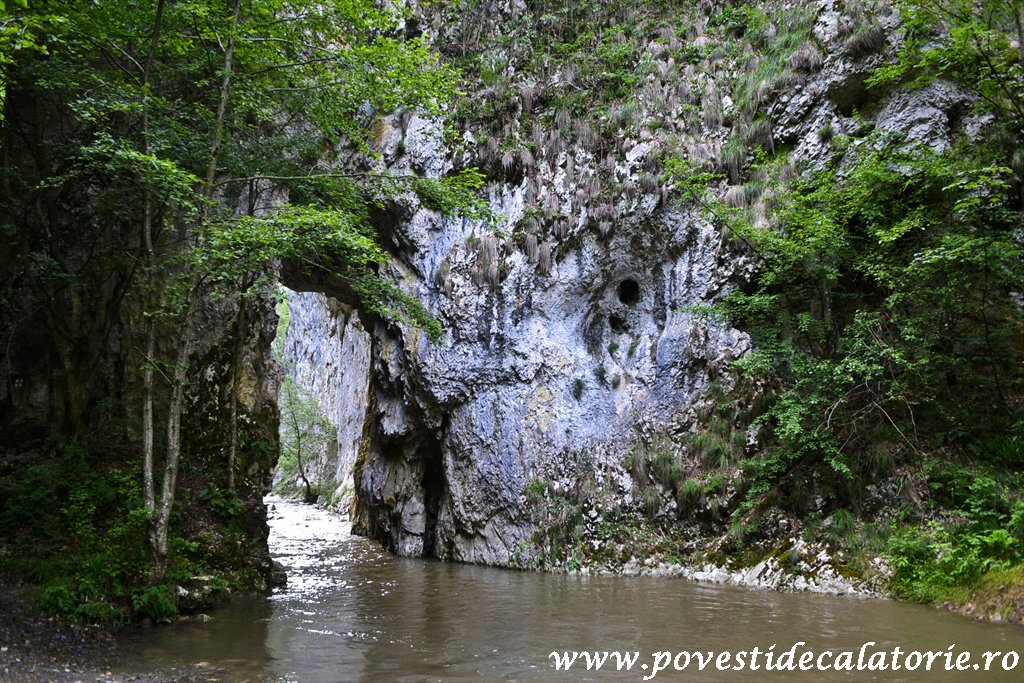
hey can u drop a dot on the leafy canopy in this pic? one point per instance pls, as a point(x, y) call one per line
point(279, 97)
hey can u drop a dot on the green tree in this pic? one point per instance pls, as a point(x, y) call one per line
point(884, 312)
point(304, 430)
point(200, 143)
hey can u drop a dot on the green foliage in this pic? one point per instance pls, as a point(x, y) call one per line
point(928, 563)
point(298, 91)
point(887, 332)
point(656, 462)
point(907, 261)
point(221, 502)
point(578, 386)
point(785, 46)
point(691, 494)
point(967, 41)
point(884, 300)
point(738, 20)
point(156, 603)
point(75, 529)
point(22, 31)
point(650, 500)
point(178, 150)
point(536, 489)
point(304, 432)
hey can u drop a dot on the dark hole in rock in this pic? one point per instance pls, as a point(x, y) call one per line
point(433, 491)
point(618, 324)
point(629, 292)
point(849, 96)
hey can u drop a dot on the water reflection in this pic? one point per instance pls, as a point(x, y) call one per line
point(219, 642)
point(351, 612)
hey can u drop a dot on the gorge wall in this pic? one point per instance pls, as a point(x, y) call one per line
point(577, 330)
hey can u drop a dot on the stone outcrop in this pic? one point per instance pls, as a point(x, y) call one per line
point(537, 368)
point(560, 348)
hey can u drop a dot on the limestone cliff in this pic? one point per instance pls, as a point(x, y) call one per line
point(575, 328)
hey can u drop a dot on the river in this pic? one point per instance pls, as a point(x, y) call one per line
point(353, 612)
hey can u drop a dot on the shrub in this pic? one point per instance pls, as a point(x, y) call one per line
point(536, 489)
point(734, 158)
point(577, 388)
point(807, 58)
point(826, 132)
point(650, 500)
point(735, 197)
point(221, 502)
point(690, 495)
point(759, 134)
point(156, 603)
point(867, 40)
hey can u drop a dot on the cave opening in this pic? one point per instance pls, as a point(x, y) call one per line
point(629, 291)
point(433, 483)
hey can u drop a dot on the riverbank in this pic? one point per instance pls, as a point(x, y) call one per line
point(997, 598)
point(793, 565)
point(38, 649)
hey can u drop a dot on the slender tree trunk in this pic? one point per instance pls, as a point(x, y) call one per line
point(298, 458)
point(75, 409)
point(236, 378)
point(174, 412)
point(222, 102)
point(186, 341)
point(148, 496)
point(293, 416)
point(149, 258)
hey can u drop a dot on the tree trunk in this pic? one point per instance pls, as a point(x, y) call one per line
point(310, 496)
point(185, 343)
point(297, 427)
point(236, 378)
point(174, 411)
point(149, 258)
point(149, 494)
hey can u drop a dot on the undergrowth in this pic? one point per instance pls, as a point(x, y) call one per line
point(72, 523)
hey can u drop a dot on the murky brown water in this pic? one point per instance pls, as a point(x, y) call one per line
point(352, 612)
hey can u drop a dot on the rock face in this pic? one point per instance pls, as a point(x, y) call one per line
point(205, 426)
point(336, 367)
point(558, 348)
point(536, 369)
